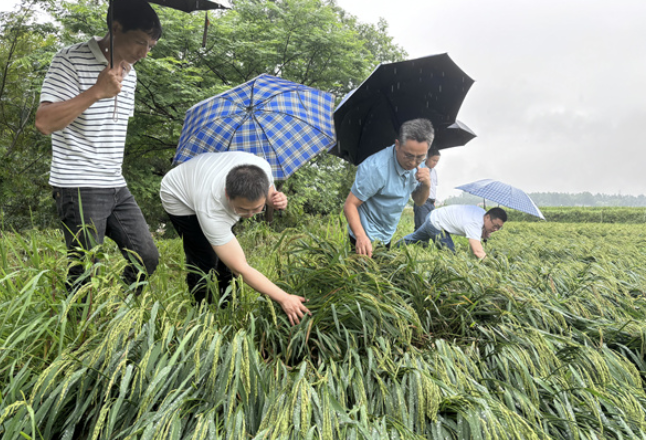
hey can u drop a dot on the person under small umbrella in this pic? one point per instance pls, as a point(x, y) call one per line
point(204, 197)
point(466, 220)
point(383, 184)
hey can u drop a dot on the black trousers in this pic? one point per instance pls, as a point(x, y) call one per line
point(201, 260)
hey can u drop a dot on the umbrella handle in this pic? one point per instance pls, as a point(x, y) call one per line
point(111, 13)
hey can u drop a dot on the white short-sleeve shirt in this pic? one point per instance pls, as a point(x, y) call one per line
point(433, 192)
point(465, 220)
point(196, 187)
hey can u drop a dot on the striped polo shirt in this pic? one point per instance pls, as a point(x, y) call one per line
point(89, 151)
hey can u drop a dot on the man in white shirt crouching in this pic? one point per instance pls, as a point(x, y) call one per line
point(465, 220)
point(204, 197)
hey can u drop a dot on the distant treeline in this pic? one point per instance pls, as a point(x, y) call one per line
point(583, 215)
point(584, 199)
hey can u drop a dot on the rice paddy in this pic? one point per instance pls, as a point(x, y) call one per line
point(545, 339)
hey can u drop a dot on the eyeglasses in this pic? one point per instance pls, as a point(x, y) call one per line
point(418, 159)
point(249, 212)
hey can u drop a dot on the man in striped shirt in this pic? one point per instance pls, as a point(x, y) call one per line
point(85, 104)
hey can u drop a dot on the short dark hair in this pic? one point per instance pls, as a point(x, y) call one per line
point(497, 213)
point(433, 152)
point(247, 181)
point(135, 15)
point(420, 130)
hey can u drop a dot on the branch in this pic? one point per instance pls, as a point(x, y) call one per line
point(21, 127)
point(157, 107)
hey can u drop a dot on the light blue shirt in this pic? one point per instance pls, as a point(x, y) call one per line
point(384, 187)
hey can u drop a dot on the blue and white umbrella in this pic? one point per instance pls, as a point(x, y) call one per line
point(284, 122)
point(503, 194)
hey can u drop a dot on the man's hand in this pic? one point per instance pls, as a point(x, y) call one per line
point(108, 84)
point(364, 246)
point(476, 248)
point(54, 116)
point(232, 255)
point(423, 176)
point(278, 200)
point(423, 189)
point(294, 309)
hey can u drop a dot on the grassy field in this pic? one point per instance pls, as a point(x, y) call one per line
point(545, 339)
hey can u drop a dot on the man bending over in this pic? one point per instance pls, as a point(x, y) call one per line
point(465, 220)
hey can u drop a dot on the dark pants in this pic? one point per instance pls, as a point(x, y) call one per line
point(421, 212)
point(201, 260)
point(426, 233)
point(88, 215)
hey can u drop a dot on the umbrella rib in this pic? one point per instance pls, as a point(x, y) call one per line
point(374, 102)
point(266, 137)
point(393, 116)
point(277, 112)
point(303, 121)
point(315, 127)
point(232, 137)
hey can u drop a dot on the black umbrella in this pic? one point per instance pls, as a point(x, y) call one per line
point(455, 135)
point(190, 5)
point(181, 5)
point(369, 117)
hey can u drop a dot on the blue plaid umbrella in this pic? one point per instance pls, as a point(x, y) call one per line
point(284, 122)
point(503, 194)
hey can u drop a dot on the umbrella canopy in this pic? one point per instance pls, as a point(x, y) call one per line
point(369, 117)
point(284, 122)
point(191, 5)
point(503, 194)
point(455, 135)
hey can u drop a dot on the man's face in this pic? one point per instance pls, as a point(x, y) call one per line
point(432, 161)
point(411, 153)
point(132, 46)
point(246, 208)
point(491, 226)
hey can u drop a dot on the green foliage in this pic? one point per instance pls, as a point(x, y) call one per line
point(308, 41)
point(25, 50)
point(319, 188)
point(542, 340)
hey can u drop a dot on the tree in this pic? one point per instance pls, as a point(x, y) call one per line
point(25, 48)
point(312, 42)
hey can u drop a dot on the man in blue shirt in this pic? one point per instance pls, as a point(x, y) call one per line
point(384, 183)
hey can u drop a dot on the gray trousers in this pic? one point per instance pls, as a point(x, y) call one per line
point(105, 212)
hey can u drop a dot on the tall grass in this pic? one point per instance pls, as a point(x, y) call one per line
point(544, 339)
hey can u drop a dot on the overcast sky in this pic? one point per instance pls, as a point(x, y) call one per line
point(559, 102)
